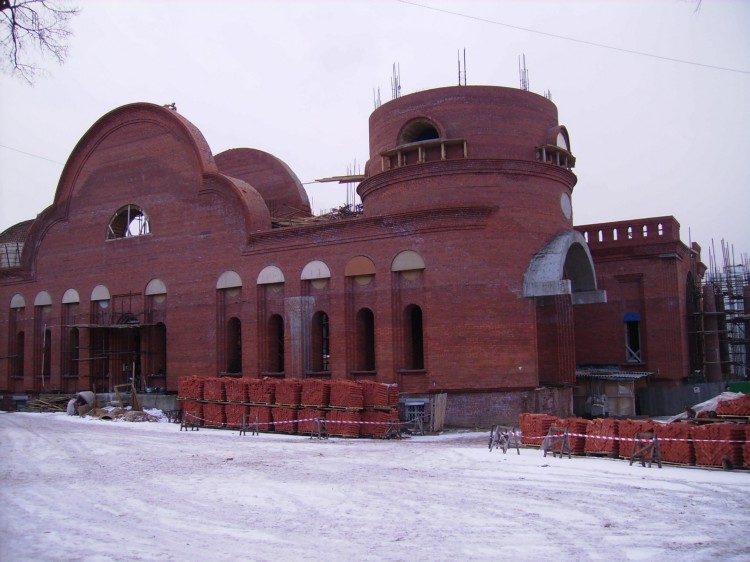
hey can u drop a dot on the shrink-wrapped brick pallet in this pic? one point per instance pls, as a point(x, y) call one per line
point(192, 411)
point(737, 407)
point(344, 423)
point(316, 392)
point(236, 390)
point(306, 419)
point(234, 414)
point(284, 419)
point(534, 427)
point(190, 387)
point(288, 392)
point(628, 429)
point(214, 415)
point(375, 394)
point(213, 389)
point(376, 422)
point(263, 415)
point(676, 442)
point(261, 391)
point(719, 444)
point(577, 428)
point(346, 394)
point(601, 437)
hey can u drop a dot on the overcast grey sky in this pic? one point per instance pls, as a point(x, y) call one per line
point(295, 78)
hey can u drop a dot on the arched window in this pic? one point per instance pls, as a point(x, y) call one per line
point(234, 345)
point(418, 130)
point(73, 354)
point(365, 340)
point(276, 344)
point(633, 338)
point(159, 351)
point(409, 263)
point(128, 221)
point(20, 355)
point(320, 343)
point(413, 338)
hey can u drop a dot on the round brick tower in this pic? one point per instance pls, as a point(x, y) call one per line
point(479, 180)
point(472, 145)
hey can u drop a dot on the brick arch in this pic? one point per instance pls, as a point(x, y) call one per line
point(563, 266)
point(127, 116)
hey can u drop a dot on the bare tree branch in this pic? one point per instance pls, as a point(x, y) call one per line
point(33, 29)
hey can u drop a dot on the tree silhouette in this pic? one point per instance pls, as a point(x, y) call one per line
point(30, 30)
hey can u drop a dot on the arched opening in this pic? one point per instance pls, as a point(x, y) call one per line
point(320, 343)
point(275, 344)
point(413, 338)
point(20, 355)
point(579, 270)
point(128, 221)
point(417, 131)
point(234, 345)
point(46, 355)
point(159, 366)
point(73, 352)
point(365, 356)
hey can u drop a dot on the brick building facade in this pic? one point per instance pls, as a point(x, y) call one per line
point(462, 275)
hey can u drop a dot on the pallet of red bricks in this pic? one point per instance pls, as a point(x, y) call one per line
point(602, 437)
point(676, 442)
point(534, 427)
point(700, 442)
point(737, 407)
point(347, 408)
point(190, 393)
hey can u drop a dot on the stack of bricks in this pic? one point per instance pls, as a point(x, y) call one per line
point(306, 419)
point(534, 427)
point(262, 391)
point(601, 437)
point(261, 394)
point(344, 423)
point(628, 429)
point(676, 442)
point(288, 392)
point(377, 422)
point(214, 394)
point(316, 393)
point(577, 428)
point(237, 398)
point(261, 414)
point(293, 405)
point(737, 407)
point(346, 394)
point(376, 395)
point(719, 444)
point(190, 389)
point(284, 419)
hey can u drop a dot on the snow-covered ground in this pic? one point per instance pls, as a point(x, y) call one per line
point(92, 490)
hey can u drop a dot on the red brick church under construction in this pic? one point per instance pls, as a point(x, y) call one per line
point(461, 275)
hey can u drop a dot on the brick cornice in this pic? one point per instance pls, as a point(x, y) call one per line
point(467, 165)
point(368, 228)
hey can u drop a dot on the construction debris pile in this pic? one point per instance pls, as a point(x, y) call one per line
point(719, 438)
point(49, 403)
point(345, 408)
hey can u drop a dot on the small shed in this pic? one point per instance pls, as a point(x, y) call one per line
point(605, 391)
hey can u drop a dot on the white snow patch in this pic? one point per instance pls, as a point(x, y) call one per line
point(84, 489)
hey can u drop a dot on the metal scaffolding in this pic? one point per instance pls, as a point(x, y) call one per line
point(726, 319)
